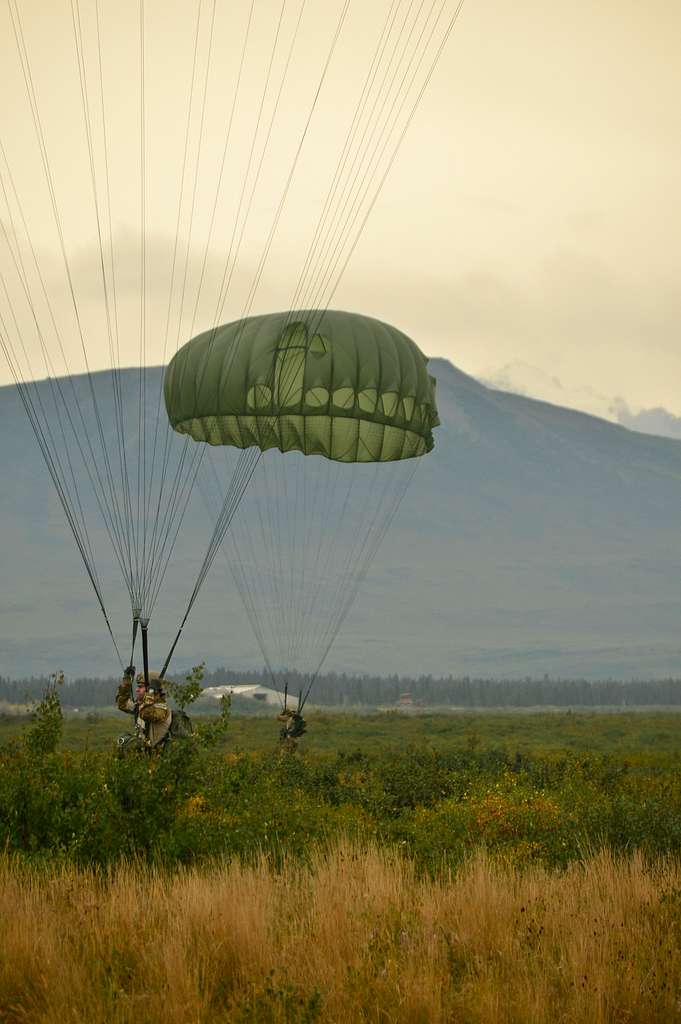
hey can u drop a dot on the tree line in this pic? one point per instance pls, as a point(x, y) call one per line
point(336, 689)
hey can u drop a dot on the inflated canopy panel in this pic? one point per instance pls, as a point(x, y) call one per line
point(349, 387)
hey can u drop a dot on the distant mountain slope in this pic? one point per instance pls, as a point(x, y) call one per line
point(534, 540)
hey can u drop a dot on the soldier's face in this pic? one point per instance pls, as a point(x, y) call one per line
point(140, 692)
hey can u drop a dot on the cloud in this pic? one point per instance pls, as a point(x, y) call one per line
point(650, 421)
point(525, 379)
point(531, 381)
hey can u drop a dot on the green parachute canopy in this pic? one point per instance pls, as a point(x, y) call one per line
point(329, 383)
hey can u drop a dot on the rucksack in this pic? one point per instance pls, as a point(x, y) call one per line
point(181, 726)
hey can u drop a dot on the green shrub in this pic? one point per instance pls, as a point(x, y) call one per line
point(196, 801)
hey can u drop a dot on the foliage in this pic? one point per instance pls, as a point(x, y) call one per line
point(203, 800)
point(334, 689)
point(634, 737)
point(272, 1002)
point(47, 720)
point(186, 693)
point(213, 731)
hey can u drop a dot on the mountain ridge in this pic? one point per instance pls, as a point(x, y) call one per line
point(535, 539)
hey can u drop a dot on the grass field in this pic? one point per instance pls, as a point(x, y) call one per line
point(627, 734)
point(355, 936)
point(496, 868)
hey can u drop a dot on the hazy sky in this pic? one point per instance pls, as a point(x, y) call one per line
point(530, 229)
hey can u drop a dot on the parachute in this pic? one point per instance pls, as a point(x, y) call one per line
point(149, 158)
point(351, 388)
point(337, 408)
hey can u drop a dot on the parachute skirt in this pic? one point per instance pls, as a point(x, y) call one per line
point(348, 440)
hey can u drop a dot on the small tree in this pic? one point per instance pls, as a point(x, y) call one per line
point(47, 720)
point(186, 693)
point(206, 734)
point(211, 733)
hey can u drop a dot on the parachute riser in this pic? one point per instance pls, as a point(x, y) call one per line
point(136, 612)
point(144, 623)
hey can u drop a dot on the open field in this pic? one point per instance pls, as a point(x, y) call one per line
point(533, 789)
point(502, 868)
point(655, 735)
point(355, 936)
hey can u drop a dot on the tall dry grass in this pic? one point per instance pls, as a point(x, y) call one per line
point(357, 937)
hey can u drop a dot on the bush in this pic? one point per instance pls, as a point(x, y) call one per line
point(196, 802)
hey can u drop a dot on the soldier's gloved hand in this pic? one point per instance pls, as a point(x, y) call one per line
point(124, 689)
point(129, 672)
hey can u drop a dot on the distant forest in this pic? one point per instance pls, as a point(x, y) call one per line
point(336, 690)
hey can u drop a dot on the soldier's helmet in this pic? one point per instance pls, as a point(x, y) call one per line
point(155, 686)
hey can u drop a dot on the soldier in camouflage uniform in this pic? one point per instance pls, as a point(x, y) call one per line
point(130, 706)
point(153, 717)
point(155, 713)
point(293, 727)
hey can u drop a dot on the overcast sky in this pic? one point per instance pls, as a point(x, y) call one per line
point(529, 230)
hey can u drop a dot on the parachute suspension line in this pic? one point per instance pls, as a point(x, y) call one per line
point(342, 573)
point(237, 235)
point(144, 559)
point(282, 201)
point(116, 382)
point(235, 492)
point(31, 94)
point(40, 422)
point(77, 529)
point(373, 540)
point(235, 243)
point(318, 571)
point(142, 432)
point(118, 520)
point(326, 244)
point(59, 399)
point(382, 42)
point(167, 525)
point(320, 575)
point(230, 262)
point(43, 432)
point(105, 490)
point(243, 466)
point(223, 161)
point(55, 385)
point(264, 583)
point(340, 236)
point(351, 210)
point(343, 208)
point(158, 538)
point(164, 553)
point(396, 148)
point(298, 586)
point(165, 530)
point(195, 462)
point(241, 578)
point(114, 350)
